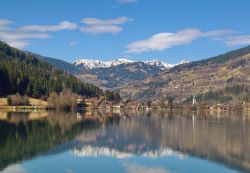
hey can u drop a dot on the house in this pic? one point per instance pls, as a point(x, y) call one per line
point(80, 100)
point(89, 102)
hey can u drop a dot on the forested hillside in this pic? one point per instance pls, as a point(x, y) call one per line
point(59, 64)
point(220, 79)
point(24, 73)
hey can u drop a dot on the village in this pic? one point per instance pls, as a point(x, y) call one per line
point(102, 102)
point(167, 104)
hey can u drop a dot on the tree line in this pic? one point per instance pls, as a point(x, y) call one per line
point(21, 72)
point(225, 95)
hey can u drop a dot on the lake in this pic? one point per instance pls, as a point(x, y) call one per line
point(124, 142)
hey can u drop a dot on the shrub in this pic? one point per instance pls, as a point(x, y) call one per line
point(66, 99)
point(19, 100)
point(9, 102)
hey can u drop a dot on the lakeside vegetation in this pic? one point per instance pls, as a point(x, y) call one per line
point(64, 100)
point(25, 76)
point(68, 100)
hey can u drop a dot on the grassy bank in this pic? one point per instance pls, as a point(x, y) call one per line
point(33, 104)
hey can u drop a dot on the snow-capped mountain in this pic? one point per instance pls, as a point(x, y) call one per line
point(160, 64)
point(90, 63)
point(119, 61)
point(120, 72)
point(93, 63)
point(92, 151)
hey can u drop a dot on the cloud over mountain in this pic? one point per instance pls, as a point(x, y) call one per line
point(99, 26)
point(166, 40)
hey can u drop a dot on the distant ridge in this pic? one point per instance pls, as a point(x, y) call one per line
point(93, 63)
point(220, 79)
point(120, 72)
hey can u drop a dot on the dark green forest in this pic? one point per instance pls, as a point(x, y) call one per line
point(225, 95)
point(24, 73)
point(59, 64)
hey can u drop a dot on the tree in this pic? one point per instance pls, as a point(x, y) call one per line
point(162, 104)
point(113, 96)
point(19, 100)
point(66, 99)
point(109, 95)
point(116, 96)
point(26, 100)
point(148, 104)
point(52, 99)
point(170, 104)
point(9, 102)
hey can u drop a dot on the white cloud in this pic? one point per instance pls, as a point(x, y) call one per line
point(64, 25)
point(73, 43)
point(19, 39)
point(14, 169)
point(70, 171)
point(136, 168)
point(102, 29)
point(127, 1)
point(219, 33)
point(162, 41)
point(4, 24)
point(166, 40)
point(98, 26)
point(238, 40)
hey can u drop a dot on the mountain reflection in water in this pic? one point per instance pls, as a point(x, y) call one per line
point(223, 138)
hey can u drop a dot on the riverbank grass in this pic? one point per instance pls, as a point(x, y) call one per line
point(33, 104)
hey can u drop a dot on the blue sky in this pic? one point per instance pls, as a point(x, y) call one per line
point(168, 30)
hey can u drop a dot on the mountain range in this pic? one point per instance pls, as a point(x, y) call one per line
point(223, 78)
point(111, 75)
point(116, 74)
point(92, 63)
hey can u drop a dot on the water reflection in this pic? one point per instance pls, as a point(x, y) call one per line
point(220, 137)
point(24, 136)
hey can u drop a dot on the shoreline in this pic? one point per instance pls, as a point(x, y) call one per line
point(22, 107)
point(14, 108)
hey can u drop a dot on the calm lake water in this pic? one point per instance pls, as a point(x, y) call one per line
point(131, 142)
